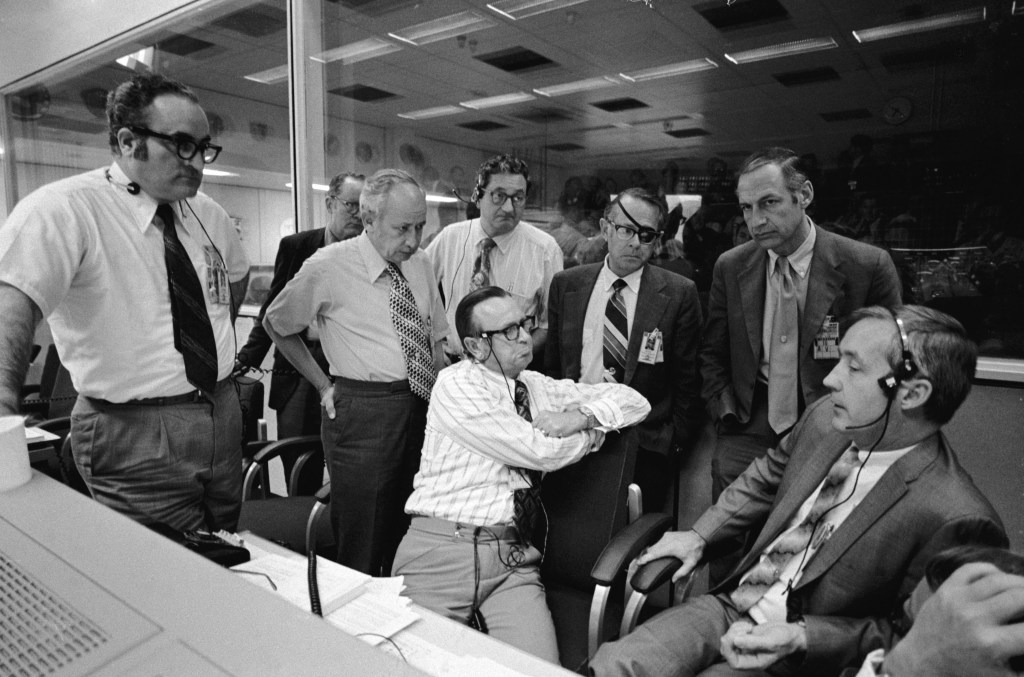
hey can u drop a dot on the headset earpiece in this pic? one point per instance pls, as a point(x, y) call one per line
point(906, 369)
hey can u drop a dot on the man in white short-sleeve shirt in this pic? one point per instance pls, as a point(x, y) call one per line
point(140, 276)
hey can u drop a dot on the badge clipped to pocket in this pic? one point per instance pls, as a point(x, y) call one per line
point(217, 289)
point(826, 341)
point(650, 348)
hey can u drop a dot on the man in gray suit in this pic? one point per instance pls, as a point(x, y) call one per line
point(854, 502)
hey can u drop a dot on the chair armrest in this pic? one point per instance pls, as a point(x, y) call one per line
point(295, 478)
point(627, 544)
point(654, 573)
point(273, 450)
point(323, 495)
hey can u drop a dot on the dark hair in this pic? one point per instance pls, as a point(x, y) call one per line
point(942, 565)
point(644, 196)
point(338, 181)
point(465, 323)
point(941, 350)
point(127, 104)
point(499, 164)
point(786, 160)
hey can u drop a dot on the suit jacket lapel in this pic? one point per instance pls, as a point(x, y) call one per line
point(751, 280)
point(824, 280)
point(650, 306)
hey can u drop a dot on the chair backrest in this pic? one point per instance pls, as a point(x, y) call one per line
point(63, 394)
point(255, 480)
point(586, 505)
point(250, 396)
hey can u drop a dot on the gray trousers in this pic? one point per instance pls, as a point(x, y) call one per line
point(437, 561)
point(179, 465)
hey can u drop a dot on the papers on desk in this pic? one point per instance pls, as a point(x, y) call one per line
point(33, 435)
point(374, 616)
point(337, 584)
point(440, 662)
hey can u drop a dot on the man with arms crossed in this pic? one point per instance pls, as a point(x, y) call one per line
point(854, 502)
point(493, 428)
point(373, 300)
point(140, 276)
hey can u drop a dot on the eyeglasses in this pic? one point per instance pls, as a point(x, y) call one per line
point(513, 331)
point(351, 206)
point(498, 198)
point(184, 145)
point(626, 233)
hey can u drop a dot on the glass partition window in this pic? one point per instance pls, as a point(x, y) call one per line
point(906, 115)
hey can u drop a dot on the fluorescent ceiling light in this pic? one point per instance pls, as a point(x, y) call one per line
point(441, 198)
point(271, 76)
point(622, 125)
point(141, 60)
point(431, 112)
point(445, 27)
point(783, 49)
point(502, 100)
point(217, 172)
point(1017, 8)
point(672, 69)
point(316, 186)
point(357, 51)
point(932, 23)
point(578, 86)
point(520, 9)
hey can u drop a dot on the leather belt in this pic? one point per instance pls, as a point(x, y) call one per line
point(194, 397)
point(443, 527)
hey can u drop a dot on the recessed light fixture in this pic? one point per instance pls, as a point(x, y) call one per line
point(141, 60)
point(932, 23)
point(672, 69)
point(1017, 8)
point(501, 100)
point(520, 9)
point(782, 49)
point(217, 172)
point(426, 113)
point(316, 186)
point(578, 86)
point(271, 76)
point(445, 27)
point(357, 51)
point(441, 198)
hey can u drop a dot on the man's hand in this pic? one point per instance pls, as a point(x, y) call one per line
point(753, 647)
point(972, 625)
point(327, 399)
point(560, 423)
point(240, 369)
point(686, 546)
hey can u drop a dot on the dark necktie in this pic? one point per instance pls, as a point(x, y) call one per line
point(193, 333)
point(756, 582)
point(783, 359)
point(616, 334)
point(526, 502)
point(405, 315)
point(482, 265)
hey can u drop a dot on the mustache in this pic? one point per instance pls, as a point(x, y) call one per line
point(193, 174)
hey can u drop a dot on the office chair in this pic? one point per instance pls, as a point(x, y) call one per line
point(35, 398)
point(589, 545)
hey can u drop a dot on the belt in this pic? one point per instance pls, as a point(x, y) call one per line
point(342, 383)
point(194, 397)
point(443, 527)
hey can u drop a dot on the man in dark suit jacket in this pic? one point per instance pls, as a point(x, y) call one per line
point(293, 397)
point(833, 276)
point(838, 591)
point(663, 318)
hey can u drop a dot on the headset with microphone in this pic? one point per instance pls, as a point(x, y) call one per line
point(132, 187)
point(906, 369)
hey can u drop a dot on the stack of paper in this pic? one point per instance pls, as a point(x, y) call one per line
point(337, 584)
point(374, 616)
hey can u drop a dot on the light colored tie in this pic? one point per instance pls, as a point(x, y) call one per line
point(763, 575)
point(783, 359)
point(616, 334)
point(482, 264)
point(405, 315)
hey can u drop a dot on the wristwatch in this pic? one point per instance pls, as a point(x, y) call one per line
point(592, 421)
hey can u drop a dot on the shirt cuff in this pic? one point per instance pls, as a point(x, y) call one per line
point(607, 413)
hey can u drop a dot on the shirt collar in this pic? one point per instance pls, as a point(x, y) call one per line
point(141, 205)
point(503, 242)
point(374, 262)
point(800, 260)
point(607, 278)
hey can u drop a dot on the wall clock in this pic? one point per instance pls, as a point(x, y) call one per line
point(897, 110)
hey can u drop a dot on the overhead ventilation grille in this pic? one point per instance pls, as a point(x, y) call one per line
point(742, 13)
point(844, 115)
point(811, 76)
point(564, 146)
point(688, 133)
point(517, 60)
point(483, 126)
point(618, 105)
point(183, 45)
point(257, 21)
point(935, 55)
point(363, 93)
point(375, 7)
point(544, 116)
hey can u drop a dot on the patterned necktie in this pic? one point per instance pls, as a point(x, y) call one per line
point(193, 333)
point(405, 315)
point(616, 334)
point(783, 376)
point(766, 572)
point(482, 265)
point(526, 502)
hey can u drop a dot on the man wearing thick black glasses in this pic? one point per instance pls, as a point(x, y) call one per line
point(493, 427)
point(624, 321)
point(141, 277)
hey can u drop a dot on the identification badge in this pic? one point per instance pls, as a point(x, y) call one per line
point(650, 348)
point(826, 341)
point(217, 289)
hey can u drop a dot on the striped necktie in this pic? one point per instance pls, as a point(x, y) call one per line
point(526, 502)
point(405, 315)
point(763, 575)
point(482, 265)
point(783, 359)
point(616, 334)
point(193, 333)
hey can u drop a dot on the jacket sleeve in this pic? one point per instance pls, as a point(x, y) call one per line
point(256, 348)
point(552, 346)
point(715, 367)
point(686, 402)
